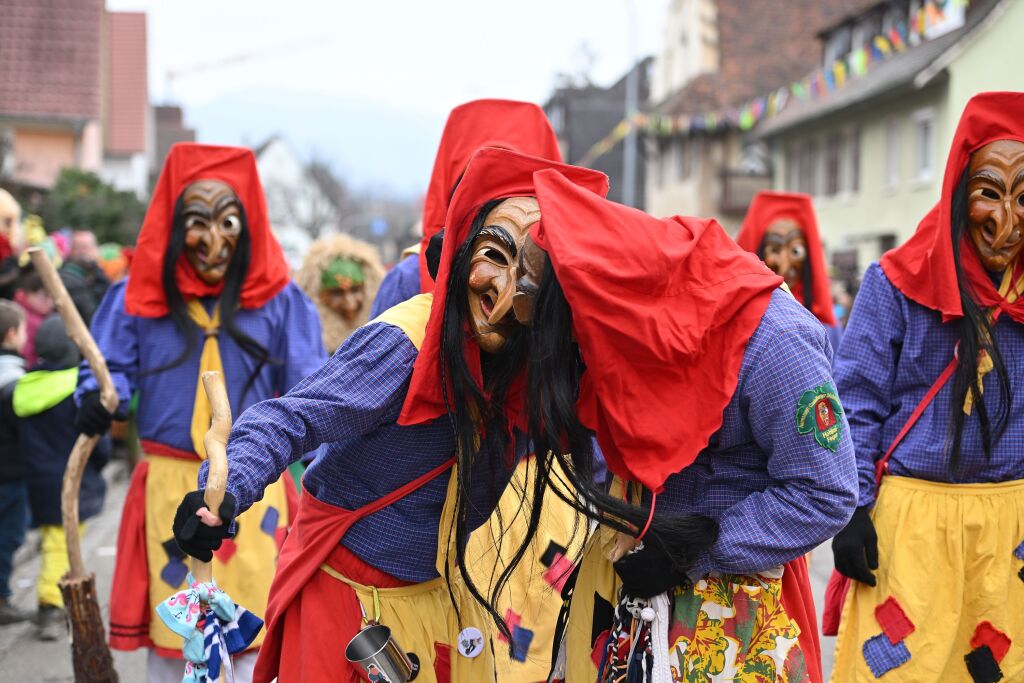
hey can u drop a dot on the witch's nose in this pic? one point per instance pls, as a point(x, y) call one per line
point(504, 303)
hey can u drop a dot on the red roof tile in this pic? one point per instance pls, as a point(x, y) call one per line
point(50, 58)
point(127, 89)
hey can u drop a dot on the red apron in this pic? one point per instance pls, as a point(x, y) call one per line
point(798, 601)
point(291, 653)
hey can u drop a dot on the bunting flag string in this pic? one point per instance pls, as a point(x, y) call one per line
point(931, 20)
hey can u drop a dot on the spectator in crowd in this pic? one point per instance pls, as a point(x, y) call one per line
point(13, 494)
point(10, 242)
point(37, 303)
point(42, 411)
point(83, 275)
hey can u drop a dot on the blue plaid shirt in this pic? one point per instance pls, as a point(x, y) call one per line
point(287, 325)
point(892, 352)
point(776, 493)
point(400, 284)
point(351, 405)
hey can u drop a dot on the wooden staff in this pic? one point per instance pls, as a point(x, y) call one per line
point(216, 442)
point(89, 652)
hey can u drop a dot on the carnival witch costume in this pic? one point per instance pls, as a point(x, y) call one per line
point(782, 229)
point(730, 458)
point(208, 290)
point(421, 413)
point(931, 380)
point(508, 124)
point(530, 600)
point(341, 275)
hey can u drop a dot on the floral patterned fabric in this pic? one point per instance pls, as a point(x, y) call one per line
point(733, 628)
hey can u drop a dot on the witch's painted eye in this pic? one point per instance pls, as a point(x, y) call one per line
point(797, 251)
point(495, 255)
point(989, 193)
point(231, 223)
point(195, 222)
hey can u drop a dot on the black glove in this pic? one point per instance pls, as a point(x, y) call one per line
point(195, 538)
point(648, 571)
point(855, 548)
point(92, 418)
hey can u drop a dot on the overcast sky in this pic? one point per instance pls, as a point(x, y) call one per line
point(366, 85)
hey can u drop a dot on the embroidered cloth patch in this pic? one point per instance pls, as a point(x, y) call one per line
point(882, 656)
point(996, 641)
point(895, 623)
point(819, 412)
point(1019, 551)
point(1020, 574)
point(982, 666)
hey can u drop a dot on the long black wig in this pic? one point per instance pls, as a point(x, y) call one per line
point(552, 360)
point(234, 278)
point(477, 413)
point(974, 335)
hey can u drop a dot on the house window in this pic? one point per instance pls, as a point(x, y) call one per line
point(837, 46)
point(851, 182)
point(809, 168)
point(833, 143)
point(924, 144)
point(865, 30)
point(792, 168)
point(892, 152)
point(662, 162)
point(682, 159)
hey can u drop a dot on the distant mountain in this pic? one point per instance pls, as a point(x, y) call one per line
point(368, 145)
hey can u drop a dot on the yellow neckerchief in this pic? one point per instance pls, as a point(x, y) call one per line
point(1010, 292)
point(209, 360)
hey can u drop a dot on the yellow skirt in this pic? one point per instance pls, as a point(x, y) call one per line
point(243, 567)
point(947, 582)
point(532, 598)
point(421, 618)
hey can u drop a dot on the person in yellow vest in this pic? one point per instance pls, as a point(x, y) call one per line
point(208, 289)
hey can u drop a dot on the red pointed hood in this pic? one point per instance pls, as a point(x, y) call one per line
point(518, 126)
point(492, 174)
point(769, 207)
point(186, 163)
point(922, 268)
point(662, 310)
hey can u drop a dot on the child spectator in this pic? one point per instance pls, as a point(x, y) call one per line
point(33, 298)
point(42, 402)
point(13, 494)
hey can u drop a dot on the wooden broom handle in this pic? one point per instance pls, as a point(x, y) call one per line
point(216, 442)
point(79, 334)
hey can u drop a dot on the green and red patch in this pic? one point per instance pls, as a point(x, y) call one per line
point(819, 412)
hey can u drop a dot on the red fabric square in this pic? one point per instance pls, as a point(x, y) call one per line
point(559, 571)
point(226, 551)
point(997, 641)
point(512, 619)
point(895, 623)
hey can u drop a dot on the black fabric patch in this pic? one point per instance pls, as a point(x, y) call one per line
point(982, 665)
point(172, 550)
point(553, 551)
point(415, 665)
point(604, 613)
point(1020, 574)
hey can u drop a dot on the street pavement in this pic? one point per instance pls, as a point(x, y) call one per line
point(24, 658)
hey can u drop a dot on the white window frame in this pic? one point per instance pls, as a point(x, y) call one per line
point(922, 173)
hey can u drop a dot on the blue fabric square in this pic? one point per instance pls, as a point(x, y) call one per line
point(174, 572)
point(268, 525)
point(521, 639)
point(1019, 552)
point(882, 656)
